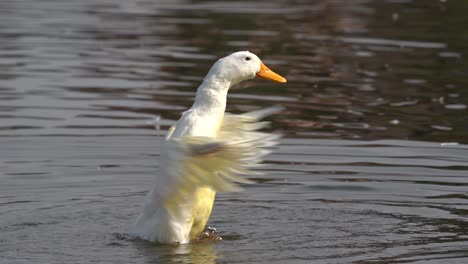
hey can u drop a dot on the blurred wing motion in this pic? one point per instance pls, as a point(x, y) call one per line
point(218, 163)
point(189, 163)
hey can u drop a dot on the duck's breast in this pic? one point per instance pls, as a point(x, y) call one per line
point(196, 124)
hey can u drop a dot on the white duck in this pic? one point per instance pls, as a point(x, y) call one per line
point(205, 152)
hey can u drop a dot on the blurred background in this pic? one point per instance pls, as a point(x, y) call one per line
point(373, 166)
point(356, 69)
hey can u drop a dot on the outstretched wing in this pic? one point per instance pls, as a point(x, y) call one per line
point(219, 163)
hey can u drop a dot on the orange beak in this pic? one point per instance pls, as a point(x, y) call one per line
point(268, 74)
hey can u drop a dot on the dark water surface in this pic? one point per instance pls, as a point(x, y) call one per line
point(373, 167)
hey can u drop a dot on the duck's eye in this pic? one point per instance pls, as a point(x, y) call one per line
point(247, 58)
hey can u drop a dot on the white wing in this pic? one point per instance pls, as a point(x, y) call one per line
point(219, 163)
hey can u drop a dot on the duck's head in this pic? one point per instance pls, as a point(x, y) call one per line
point(241, 66)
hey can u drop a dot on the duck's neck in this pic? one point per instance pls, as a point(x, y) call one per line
point(212, 95)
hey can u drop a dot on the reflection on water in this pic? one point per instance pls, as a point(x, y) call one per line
point(195, 253)
point(81, 83)
point(353, 72)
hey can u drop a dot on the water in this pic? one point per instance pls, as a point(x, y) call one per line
point(373, 167)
